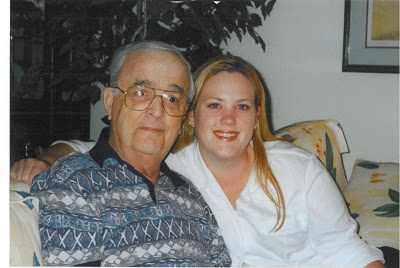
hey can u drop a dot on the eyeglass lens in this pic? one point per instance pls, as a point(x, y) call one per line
point(139, 98)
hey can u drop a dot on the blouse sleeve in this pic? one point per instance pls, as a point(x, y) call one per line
point(77, 145)
point(174, 162)
point(332, 230)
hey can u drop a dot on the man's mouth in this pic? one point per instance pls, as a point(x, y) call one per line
point(151, 129)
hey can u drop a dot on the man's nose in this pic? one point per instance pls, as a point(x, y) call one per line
point(156, 107)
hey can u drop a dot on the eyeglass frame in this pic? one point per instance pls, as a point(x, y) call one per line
point(155, 95)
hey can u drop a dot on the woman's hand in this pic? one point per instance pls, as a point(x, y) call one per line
point(25, 169)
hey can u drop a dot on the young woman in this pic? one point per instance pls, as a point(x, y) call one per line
point(275, 203)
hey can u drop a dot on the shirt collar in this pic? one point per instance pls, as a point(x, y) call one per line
point(208, 180)
point(102, 151)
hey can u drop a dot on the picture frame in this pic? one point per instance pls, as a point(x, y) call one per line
point(357, 56)
point(383, 23)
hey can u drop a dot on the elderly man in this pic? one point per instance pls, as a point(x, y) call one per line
point(119, 204)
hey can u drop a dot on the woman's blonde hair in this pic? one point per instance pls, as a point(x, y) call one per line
point(265, 176)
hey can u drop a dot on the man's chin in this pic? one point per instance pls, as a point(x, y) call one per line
point(149, 149)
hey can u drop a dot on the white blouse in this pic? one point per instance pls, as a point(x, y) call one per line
point(318, 229)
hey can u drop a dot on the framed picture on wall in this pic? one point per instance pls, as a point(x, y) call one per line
point(371, 36)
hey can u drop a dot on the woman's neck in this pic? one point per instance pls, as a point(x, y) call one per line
point(232, 174)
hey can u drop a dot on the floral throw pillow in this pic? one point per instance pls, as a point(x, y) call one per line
point(373, 198)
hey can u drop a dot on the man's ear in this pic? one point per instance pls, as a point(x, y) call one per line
point(191, 118)
point(108, 99)
point(181, 128)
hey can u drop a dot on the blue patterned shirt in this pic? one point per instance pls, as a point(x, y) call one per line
point(96, 209)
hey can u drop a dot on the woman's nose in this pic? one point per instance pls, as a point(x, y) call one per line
point(228, 118)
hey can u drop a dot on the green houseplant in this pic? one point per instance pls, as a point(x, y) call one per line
point(83, 33)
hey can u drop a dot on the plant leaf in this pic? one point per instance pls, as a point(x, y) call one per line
point(262, 43)
point(387, 207)
point(266, 9)
point(391, 210)
point(329, 157)
point(368, 165)
point(394, 195)
point(391, 214)
point(256, 20)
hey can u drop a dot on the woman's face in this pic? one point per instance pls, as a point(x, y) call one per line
point(225, 116)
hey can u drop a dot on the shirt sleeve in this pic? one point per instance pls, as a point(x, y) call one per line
point(332, 230)
point(77, 145)
point(70, 223)
point(219, 252)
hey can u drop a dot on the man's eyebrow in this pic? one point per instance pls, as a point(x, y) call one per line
point(140, 82)
point(173, 87)
point(178, 88)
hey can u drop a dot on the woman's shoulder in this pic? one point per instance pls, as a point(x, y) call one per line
point(184, 152)
point(180, 159)
point(291, 164)
point(284, 148)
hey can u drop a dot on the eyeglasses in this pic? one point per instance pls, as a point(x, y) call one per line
point(139, 98)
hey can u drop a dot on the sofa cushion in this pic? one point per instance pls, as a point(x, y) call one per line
point(24, 227)
point(325, 139)
point(373, 198)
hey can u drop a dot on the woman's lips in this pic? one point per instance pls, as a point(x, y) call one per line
point(226, 135)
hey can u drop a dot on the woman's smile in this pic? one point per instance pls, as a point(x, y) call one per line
point(226, 135)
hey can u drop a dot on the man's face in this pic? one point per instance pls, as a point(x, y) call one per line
point(152, 131)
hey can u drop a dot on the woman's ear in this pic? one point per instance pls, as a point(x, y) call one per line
point(257, 115)
point(108, 99)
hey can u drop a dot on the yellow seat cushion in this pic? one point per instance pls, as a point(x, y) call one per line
point(373, 198)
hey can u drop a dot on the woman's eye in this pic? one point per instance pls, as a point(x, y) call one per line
point(213, 105)
point(243, 107)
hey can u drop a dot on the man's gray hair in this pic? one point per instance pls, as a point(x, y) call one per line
point(122, 52)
